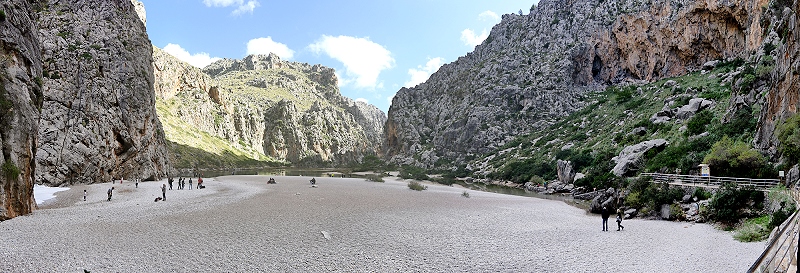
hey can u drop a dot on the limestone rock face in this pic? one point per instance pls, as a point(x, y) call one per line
point(20, 97)
point(536, 68)
point(783, 98)
point(285, 110)
point(98, 118)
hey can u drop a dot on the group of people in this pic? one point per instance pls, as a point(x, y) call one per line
point(181, 185)
point(605, 213)
point(182, 182)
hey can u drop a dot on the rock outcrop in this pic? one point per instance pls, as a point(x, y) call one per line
point(630, 158)
point(20, 98)
point(98, 118)
point(536, 68)
point(783, 97)
point(285, 110)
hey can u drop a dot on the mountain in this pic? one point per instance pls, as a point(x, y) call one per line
point(264, 109)
point(534, 70)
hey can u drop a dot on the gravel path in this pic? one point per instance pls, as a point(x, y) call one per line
point(241, 224)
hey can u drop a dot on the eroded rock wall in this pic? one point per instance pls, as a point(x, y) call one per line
point(20, 98)
point(98, 118)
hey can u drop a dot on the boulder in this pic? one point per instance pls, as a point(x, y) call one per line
point(566, 174)
point(695, 105)
point(605, 198)
point(665, 212)
point(630, 213)
point(709, 65)
point(630, 158)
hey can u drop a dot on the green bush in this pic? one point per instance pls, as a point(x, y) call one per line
point(788, 134)
point(676, 212)
point(701, 194)
point(753, 230)
point(465, 194)
point(736, 159)
point(374, 178)
point(414, 185)
point(413, 172)
point(10, 171)
point(697, 124)
point(727, 203)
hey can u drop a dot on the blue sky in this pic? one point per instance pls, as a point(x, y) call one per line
point(376, 47)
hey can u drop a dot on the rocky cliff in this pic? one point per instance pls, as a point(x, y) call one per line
point(20, 99)
point(286, 111)
point(98, 118)
point(784, 89)
point(536, 68)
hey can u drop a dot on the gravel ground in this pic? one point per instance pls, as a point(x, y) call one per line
point(241, 224)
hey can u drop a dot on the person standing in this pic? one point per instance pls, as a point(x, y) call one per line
point(137, 183)
point(164, 192)
point(190, 183)
point(84, 195)
point(619, 220)
point(170, 183)
point(605, 214)
point(110, 191)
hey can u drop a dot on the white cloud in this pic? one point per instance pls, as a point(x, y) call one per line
point(362, 100)
point(363, 59)
point(470, 38)
point(389, 99)
point(246, 8)
point(489, 16)
point(267, 45)
point(421, 73)
point(241, 6)
point(199, 60)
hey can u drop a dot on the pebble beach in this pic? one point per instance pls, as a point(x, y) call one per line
point(243, 224)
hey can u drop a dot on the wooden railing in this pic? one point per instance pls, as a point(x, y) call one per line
point(711, 181)
point(781, 253)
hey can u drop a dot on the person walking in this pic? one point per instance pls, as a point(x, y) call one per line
point(170, 183)
point(619, 220)
point(164, 192)
point(605, 214)
point(110, 191)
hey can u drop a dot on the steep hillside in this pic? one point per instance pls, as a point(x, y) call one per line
point(98, 118)
point(263, 109)
point(534, 69)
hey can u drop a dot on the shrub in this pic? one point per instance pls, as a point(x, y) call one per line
point(736, 159)
point(2, 15)
point(10, 171)
point(697, 124)
point(701, 194)
point(414, 185)
point(374, 178)
point(676, 212)
point(726, 205)
point(788, 134)
point(413, 172)
point(753, 230)
point(465, 194)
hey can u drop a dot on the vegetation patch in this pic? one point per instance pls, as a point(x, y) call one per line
point(10, 171)
point(415, 185)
